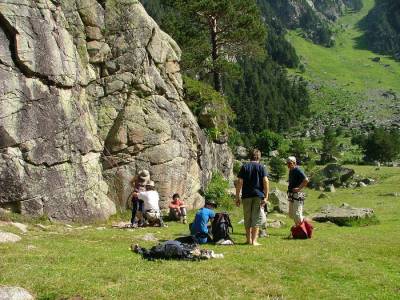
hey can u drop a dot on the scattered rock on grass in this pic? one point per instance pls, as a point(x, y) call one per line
point(149, 237)
point(14, 293)
point(274, 224)
point(322, 196)
point(20, 226)
point(279, 200)
point(343, 215)
point(8, 237)
point(393, 194)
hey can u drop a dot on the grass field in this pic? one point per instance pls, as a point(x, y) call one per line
point(347, 83)
point(337, 263)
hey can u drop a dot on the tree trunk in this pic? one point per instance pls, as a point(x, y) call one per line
point(214, 55)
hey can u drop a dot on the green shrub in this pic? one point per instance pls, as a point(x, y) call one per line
point(217, 190)
point(210, 107)
point(236, 167)
point(267, 141)
point(382, 145)
point(277, 168)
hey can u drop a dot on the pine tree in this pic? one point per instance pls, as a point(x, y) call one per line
point(213, 33)
point(329, 146)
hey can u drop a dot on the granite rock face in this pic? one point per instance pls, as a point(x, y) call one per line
point(90, 93)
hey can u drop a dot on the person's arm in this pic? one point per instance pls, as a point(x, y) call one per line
point(301, 186)
point(239, 185)
point(266, 190)
point(173, 206)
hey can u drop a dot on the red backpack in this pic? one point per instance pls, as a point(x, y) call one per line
point(302, 231)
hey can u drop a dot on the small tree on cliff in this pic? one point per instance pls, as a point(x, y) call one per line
point(213, 33)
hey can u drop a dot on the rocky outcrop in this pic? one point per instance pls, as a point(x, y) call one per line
point(279, 201)
point(90, 92)
point(314, 17)
point(344, 215)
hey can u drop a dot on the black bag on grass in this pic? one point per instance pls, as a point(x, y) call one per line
point(220, 227)
point(169, 250)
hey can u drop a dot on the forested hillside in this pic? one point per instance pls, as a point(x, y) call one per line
point(382, 28)
point(257, 87)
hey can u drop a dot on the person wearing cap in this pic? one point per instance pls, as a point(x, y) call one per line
point(254, 185)
point(297, 181)
point(151, 208)
point(199, 228)
point(139, 185)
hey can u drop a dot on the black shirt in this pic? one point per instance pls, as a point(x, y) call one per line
point(253, 174)
point(296, 177)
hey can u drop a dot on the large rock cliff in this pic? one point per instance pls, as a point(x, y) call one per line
point(90, 93)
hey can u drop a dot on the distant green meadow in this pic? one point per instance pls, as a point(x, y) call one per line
point(344, 76)
point(360, 262)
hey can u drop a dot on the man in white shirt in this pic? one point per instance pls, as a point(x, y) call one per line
point(151, 208)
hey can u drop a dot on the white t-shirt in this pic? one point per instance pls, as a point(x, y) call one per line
point(150, 200)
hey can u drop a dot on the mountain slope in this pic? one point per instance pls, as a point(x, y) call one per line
point(350, 87)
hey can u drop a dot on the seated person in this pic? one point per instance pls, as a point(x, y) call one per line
point(199, 228)
point(151, 209)
point(177, 209)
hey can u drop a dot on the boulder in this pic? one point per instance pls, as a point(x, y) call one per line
point(323, 196)
point(14, 293)
point(361, 184)
point(274, 223)
point(8, 237)
point(332, 174)
point(279, 200)
point(368, 181)
point(91, 94)
point(241, 152)
point(343, 215)
point(330, 188)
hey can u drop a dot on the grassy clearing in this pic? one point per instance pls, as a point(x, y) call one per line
point(338, 263)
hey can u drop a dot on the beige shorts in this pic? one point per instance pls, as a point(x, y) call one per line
point(253, 216)
point(152, 216)
point(296, 211)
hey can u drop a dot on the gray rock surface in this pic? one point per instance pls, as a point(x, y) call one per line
point(279, 200)
point(8, 237)
point(89, 96)
point(14, 293)
point(342, 215)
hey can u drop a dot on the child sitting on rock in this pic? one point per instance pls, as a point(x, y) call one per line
point(177, 209)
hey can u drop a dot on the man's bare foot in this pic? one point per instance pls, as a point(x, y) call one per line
point(256, 244)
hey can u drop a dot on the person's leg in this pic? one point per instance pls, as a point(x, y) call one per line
point(254, 236)
point(161, 219)
point(291, 210)
point(256, 220)
point(174, 214)
point(134, 210)
point(183, 214)
point(263, 228)
point(248, 235)
point(140, 213)
point(298, 211)
point(247, 218)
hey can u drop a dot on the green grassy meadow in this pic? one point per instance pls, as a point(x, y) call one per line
point(344, 76)
point(60, 262)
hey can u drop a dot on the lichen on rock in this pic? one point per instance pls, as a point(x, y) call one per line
point(90, 93)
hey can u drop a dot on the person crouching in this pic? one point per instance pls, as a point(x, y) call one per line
point(199, 229)
point(151, 208)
